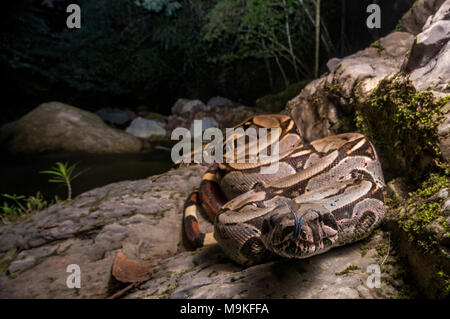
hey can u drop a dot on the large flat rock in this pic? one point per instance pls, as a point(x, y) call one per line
point(209, 274)
point(143, 219)
point(140, 218)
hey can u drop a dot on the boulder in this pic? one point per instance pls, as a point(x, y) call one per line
point(445, 208)
point(428, 44)
point(218, 101)
point(114, 115)
point(419, 229)
point(397, 189)
point(207, 122)
point(142, 220)
point(134, 217)
point(444, 132)
point(174, 121)
point(56, 126)
point(430, 56)
point(330, 104)
point(338, 274)
point(332, 64)
point(316, 110)
point(442, 14)
point(414, 20)
point(144, 128)
point(183, 106)
point(430, 59)
point(429, 62)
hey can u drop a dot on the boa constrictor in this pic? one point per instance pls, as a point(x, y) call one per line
point(326, 193)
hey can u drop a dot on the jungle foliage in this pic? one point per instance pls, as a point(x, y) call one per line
point(131, 52)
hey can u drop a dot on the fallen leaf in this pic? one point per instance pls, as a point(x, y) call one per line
point(127, 271)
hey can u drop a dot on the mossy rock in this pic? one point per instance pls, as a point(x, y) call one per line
point(403, 124)
point(420, 228)
point(55, 126)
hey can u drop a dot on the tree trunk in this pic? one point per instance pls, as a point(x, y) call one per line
point(286, 81)
point(267, 63)
point(316, 66)
point(288, 35)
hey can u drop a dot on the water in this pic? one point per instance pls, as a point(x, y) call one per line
point(20, 173)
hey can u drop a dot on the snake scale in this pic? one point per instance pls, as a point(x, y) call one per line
point(325, 194)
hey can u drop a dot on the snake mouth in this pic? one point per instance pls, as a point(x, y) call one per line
point(297, 232)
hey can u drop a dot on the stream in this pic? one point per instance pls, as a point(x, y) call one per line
point(20, 173)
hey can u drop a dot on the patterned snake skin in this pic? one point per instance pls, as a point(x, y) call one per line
point(325, 194)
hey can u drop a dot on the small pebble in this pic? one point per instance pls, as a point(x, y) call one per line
point(445, 208)
point(442, 194)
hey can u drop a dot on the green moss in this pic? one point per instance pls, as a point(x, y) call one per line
point(363, 250)
point(433, 184)
point(408, 112)
point(420, 218)
point(347, 270)
point(382, 249)
point(403, 125)
point(402, 294)
point(361, 123)
point(399, 28)
point(378, 46)
point(445, 280)
point(421, 210)
point(334, 88)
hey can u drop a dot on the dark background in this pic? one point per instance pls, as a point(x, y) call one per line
point(126, 56)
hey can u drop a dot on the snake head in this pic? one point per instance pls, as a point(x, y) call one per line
point(299, 230)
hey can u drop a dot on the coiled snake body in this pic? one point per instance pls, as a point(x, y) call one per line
point(325, 194)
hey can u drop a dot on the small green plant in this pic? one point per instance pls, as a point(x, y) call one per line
point(22, 206)
point(63, 174)
point(16, 199)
